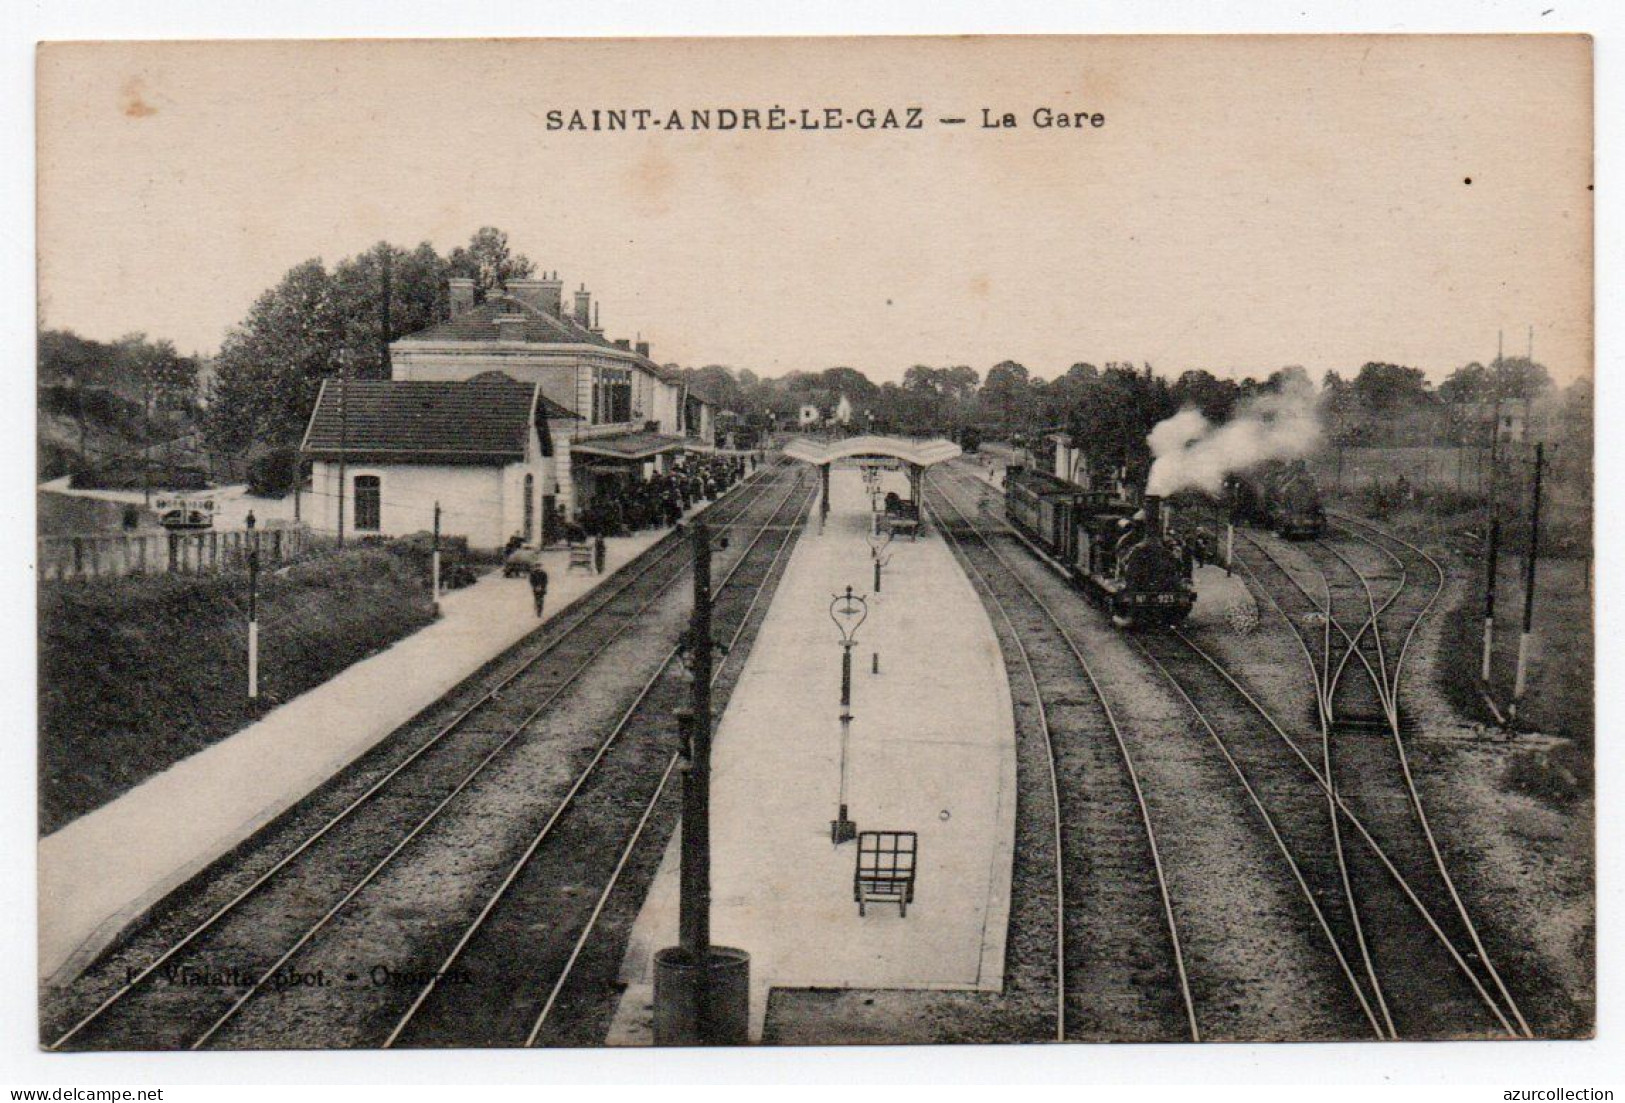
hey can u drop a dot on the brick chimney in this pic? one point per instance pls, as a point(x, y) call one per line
point(462, 294)
point(510, 327)
point(623, 344)
point(543, 293)
point(643, 349)
point(583, 315)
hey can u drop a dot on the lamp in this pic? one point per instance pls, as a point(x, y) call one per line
point(848, 611)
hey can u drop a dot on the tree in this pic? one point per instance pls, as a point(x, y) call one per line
point(271, 366)
point(488, 261)
point(1291, 377)
point(1391, 388)
point(1204, 391)
point(1007, 395)
point(1518, 379)
point(857, 387)
point(717, 383)
point(167, 379)
point(1115, 416)
point(1467, 386)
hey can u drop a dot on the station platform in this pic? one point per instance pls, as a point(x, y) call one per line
point(1222, 601)
point(932, 750)
point(107, 867)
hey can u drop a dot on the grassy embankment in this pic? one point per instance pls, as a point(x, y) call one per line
point(139, 673)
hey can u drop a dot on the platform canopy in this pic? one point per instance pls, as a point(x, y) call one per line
point(918, 453)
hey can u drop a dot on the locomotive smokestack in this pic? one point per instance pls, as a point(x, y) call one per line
point(1153, 513)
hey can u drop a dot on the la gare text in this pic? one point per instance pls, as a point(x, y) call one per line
point(600, 119)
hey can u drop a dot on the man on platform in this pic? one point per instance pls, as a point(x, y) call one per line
point(538, 585)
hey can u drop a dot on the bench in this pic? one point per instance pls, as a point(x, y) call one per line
point(885, 869)
point(904, 526)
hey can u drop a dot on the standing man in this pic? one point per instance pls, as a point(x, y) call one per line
point(598, 552)
point(538, 585)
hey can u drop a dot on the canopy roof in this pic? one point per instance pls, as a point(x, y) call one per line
point(921, 453)
point(628, 446)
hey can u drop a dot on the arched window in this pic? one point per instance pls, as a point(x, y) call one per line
point(530, 509)
point(368, 503)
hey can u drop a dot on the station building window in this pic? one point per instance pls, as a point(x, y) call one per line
point(611, 396)
point(368, 503)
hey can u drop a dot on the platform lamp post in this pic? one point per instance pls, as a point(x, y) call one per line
point(702, 992)
point(880, 552)
point(848, 611)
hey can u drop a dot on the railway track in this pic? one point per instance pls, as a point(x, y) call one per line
point(1103, 988)
point(202, 971)
point(1343, 893)
point(617, 796)
point(1400, 895)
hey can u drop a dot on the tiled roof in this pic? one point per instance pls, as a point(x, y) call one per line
point(479, 324)
point(487, 419)
point(541, 327)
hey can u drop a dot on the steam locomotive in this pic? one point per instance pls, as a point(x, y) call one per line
point(1113, 551)
point(1282, 497)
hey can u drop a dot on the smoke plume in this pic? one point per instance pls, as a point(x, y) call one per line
point(1191, 452)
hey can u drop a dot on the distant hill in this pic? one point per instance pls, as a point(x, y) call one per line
point(104, 404)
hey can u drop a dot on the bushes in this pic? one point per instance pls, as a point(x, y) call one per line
point(1381, 499)
point(138, 673)
point(272, 474)
point(136, 474)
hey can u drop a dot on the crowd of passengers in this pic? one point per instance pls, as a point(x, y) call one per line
point(625, 506)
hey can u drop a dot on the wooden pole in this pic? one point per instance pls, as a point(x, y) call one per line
point(694, 913)
point(434, 574)
point(253, 611)
point(1489, 598)
point(1531, 558)
point(385, 323)
point(344, 434)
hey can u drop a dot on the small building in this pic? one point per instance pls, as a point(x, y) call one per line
point(486, 450)
point(809, 415)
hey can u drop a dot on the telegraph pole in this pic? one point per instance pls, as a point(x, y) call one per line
point(344, 433)
point(253, 610)
point(387, 261)
point(702, 992)
point(694, 913)
point(1490, 581)
point(1519, 683)
point(434, 568)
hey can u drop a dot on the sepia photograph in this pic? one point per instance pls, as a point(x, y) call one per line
point(861, 541)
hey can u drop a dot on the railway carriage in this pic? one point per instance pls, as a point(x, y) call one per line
point(1110, 549)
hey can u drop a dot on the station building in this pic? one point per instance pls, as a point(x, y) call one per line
point(513, 403)
point(387, 452)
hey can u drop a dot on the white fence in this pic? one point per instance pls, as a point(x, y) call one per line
point(114, 555)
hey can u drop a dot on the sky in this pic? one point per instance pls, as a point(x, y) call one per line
point(1249, 202)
